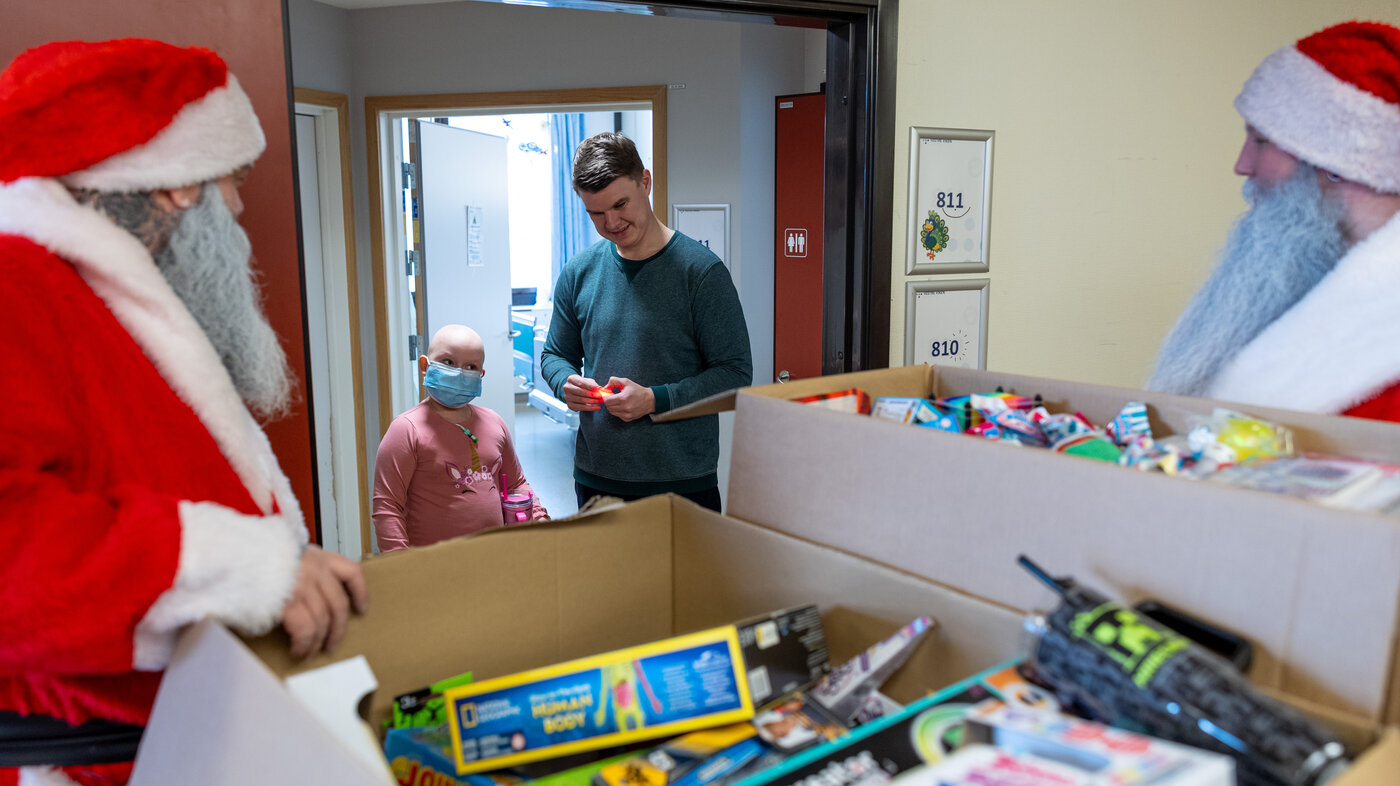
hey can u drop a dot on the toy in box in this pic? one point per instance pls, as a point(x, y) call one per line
point(926, 731)
point(654, 690)
point(1107, 756)
point(425, 706)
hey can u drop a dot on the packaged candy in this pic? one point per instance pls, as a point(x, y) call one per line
point(904, 409)
point(1017, 426)
point(854, 401)
point(1058, 426)
point(985, 430)
point(1130, 422)
point(946, 421)
point(1252, 438)
point(1094, 446)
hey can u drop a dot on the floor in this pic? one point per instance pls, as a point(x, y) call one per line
point(546, 451)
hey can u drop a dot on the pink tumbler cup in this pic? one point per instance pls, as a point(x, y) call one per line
point(515, 507)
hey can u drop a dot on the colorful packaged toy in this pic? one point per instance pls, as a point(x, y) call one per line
point(425, 706)
point(654, 690)
point(423, 757)
point(845, 689)
point(1107, 756)
point(694, 759)
point(927, 731)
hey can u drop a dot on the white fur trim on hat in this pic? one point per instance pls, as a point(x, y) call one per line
point(235, 568)
point(1323, 120)
point(208, 138)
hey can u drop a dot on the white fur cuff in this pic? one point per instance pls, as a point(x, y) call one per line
point(44, 776)
point(238, 569)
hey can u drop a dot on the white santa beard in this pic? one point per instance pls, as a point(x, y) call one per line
point(208, 264)
point(1276, 252)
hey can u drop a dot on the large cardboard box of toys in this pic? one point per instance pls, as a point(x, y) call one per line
point(525, 598)
point(529, 597)
point(875, 522)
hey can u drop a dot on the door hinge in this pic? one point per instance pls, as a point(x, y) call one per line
point(408, 174)
point(411, 268)
point(415, 342)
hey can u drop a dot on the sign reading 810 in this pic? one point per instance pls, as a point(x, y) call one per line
point(950, 350)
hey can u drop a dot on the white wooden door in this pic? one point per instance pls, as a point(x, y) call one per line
point(466, 247)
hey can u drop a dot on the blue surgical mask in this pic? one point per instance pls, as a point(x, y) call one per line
point(453, 388)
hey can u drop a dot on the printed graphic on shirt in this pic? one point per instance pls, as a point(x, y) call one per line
point(473, 480)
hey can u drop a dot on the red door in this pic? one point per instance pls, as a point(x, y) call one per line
point(797, 254)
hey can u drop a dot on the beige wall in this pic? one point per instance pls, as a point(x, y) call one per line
point(1115, 140)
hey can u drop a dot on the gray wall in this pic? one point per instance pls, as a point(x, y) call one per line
point(719, 129)
point(320, 46)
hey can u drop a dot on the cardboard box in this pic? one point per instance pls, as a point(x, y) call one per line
point(914, 521)
point(1296, 578)
point(223, 715)
point(531, 596)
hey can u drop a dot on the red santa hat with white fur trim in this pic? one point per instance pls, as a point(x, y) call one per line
point(1333, 100)
point(125, 115)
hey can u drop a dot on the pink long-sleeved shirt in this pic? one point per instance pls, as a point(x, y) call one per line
point(432, 481)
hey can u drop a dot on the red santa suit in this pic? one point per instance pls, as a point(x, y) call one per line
point(137, 493)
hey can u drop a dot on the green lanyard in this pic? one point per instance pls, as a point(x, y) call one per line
point(476, 457)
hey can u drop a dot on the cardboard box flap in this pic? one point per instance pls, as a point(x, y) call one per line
point(1315, 589)
point(709, 405)
point(218, 705)
point(532, 596)
point(1377, 766)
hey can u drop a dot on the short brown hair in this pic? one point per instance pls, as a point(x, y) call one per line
point(603, 158)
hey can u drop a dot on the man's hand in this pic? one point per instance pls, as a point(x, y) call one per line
point(328, 586)
point(632, 401)
point(581, 394)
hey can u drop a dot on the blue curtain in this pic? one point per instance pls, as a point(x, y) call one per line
point(573, 231)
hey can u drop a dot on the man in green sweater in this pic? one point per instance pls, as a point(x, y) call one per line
point(654, 315)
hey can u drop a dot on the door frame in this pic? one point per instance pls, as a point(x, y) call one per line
point(385, 167)
point(860, 145)
point(337, 221)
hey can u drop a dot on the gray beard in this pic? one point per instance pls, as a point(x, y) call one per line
point(1276, 253)
point(208, 264)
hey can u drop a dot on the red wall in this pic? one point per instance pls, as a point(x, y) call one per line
point(248, 34)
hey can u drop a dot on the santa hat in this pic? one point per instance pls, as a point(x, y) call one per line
point(1333, 100)
point(124, 115)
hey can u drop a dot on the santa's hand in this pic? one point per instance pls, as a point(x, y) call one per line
point(581, 394)
point(328, 587)
point(629, 401)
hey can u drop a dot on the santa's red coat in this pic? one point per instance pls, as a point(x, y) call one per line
point(137, 494)
point(1337, 350)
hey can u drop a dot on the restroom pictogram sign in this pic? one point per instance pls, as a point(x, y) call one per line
point(795, 242)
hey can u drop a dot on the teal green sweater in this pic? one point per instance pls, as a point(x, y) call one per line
point(671, 322)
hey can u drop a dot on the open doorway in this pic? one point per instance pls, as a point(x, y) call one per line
point(467, 251)
point(513, 246)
